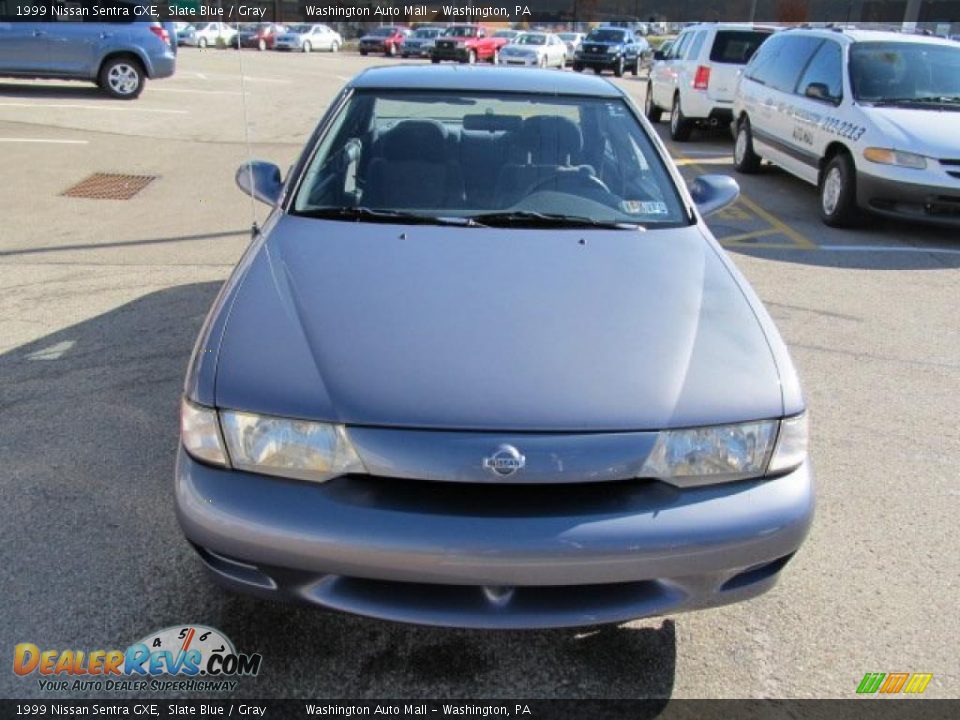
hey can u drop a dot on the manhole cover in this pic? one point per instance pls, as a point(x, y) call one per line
point(109, 186)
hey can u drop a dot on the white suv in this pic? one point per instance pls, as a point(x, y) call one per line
point(869, 117)
point(696, 78)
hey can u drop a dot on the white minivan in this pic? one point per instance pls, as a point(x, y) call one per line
point(869, 117)
point(696, 78)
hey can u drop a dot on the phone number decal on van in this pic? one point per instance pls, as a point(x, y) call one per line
point(842, 128)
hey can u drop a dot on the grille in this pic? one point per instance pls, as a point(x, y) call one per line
point(109, 186)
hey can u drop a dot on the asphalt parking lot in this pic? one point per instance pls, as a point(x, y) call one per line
point(101, 300)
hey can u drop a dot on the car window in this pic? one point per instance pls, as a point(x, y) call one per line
point(926, 74)
point(825, 68)
point(697, 45)
point(782, 61)
point(530, 39)
point(680, 46)
point(480, 153)
point(460, 32)
point(736, 47)
point(610, 35)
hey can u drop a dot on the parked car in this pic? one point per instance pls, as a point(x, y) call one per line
point(611, 48)
point(506, 34)
point(697, 78)
point(308, 37)
point(467, 44)
point(117, 56)
point(866, 116)
point(213, 34)
point(573, 41)
point(261, 36)
point(419, 43)
point(535, 49)
point(185, 34)
point(387, 40)
point(378, 419)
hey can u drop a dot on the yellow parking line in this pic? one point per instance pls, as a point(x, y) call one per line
point(748, 236)
point(776, 223)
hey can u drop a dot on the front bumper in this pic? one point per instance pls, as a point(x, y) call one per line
point(606, 61)
point(898, 198)
point(497, 556)
point(378, 47)
point(522, 61)
point(286, 45)
point(459, 53)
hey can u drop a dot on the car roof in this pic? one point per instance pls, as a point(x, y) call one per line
point(483, 79)
point(857, 35)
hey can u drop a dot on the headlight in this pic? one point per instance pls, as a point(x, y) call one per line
point(200, 433)
point(725, 453)
point(887, 156)
point(613, 50)
point(291, 448)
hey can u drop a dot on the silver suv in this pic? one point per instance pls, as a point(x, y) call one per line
point(118, 56)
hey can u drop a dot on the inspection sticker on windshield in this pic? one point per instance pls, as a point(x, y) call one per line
point(644, 207)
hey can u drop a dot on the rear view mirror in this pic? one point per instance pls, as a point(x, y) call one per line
point(713, 193)
point(261, 180)
point(659, 55)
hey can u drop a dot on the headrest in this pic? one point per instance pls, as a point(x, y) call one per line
point(551, 139)
point(415, 141)
point(492, 123)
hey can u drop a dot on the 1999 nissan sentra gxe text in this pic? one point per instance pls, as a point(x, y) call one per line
point(486, 366)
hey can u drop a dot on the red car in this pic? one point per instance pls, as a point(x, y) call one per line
point(387, 40)
point(261, 37)
point(467, 44)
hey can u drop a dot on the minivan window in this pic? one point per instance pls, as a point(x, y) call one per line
point(780, 64)
point(680, 46)
point(826, 68)
point(736, 47)
point(910, 73)
point(452, 154)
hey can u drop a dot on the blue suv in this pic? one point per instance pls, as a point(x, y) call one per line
point(117, 56)
point(611, 48)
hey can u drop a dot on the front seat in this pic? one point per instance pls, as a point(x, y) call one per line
point(545, 144)
point(411, 169)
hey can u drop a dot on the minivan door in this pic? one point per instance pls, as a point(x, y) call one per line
point(731, 51)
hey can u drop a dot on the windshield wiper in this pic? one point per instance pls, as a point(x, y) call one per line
point(527, 218)
point(922, 100)
point(362, 214)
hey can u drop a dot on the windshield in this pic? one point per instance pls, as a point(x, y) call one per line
point(505, 33)
point(300, 29)
point(488, 158)
point(567, 37)
point(381, 32)
point(460, 31)
point(907, 72)
point(530, 39)
point(426, 33)
point(610, 35)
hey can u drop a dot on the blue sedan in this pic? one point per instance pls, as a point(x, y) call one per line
point(486, 366)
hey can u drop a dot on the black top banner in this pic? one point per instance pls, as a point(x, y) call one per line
point(665, 14)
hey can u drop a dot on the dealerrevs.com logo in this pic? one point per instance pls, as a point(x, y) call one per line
point(198, 657)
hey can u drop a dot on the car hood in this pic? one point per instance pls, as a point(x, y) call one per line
point(493, 329)
point(928, 132)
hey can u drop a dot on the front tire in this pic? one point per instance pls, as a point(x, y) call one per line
point(122, 78)
point(363, 52)
point(202, 43)
point(262, 45)
point(335, 47)
point(618, 68)
point(391, 50)
point(838, 192)
point(652, 112)
point(435, 60)
point(745, 159)
point(635, 70)
point(307, 47)
point(472, 57)
point(577, 67)
point(680, 126)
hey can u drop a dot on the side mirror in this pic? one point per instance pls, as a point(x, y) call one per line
point(260, 180)
point(659, 55)
point(712, 193)
point(818, 91)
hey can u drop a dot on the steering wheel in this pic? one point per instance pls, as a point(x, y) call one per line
point(580, 178)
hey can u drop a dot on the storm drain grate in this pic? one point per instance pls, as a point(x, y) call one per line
point(109, 186)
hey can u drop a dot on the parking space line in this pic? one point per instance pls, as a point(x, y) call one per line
point(764, 232)
point(776, 222)
point(52, 141)
point(73, 106)
point(888, 248)
point(196, 92)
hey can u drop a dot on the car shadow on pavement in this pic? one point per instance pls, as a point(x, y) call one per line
point(64, 91)
point(93, 556)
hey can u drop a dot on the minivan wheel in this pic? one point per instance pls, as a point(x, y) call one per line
point(838, 192)
point(307, 47)
point(745, 160)
point(202, 43)
point(652, 112)
point(680, 126)
point(121, 78)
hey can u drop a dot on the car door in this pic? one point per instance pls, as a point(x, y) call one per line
point(665, 72)
point(23, 45)
point(558, 51)
point(75, 46)
point(819, 97)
